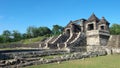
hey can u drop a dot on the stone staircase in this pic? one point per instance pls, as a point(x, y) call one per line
point(64, 40)
point(61, 45)
point(42, 44)
point(52, 39)
point(61, 39)
point(72, 38)
point(54, 42)
point(68, 41)
point(49, 40)
point(78, 41)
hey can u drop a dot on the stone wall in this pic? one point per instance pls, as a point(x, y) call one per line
point(104, 40)
point(114, 41)
point(17, 45)
point(114, 44)
point(17, 63)
point(93, 37)
point(97, 37)
point(29, 53)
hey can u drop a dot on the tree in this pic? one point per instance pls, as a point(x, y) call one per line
point(56, 30)
point(1, 39)
point(35, 32)
point(31, 31)
point(44, 31)
point(6, 36)
point(115, 29)
point(16, 35)
point(25, 36)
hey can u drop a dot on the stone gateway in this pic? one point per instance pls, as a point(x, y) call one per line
point(81, 34)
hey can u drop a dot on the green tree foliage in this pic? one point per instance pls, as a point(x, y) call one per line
point(31, 31)
point(16, 35)
point(24, 36)
point(35, 32)
point(6, 36)
point(1, 39)
point(56, 30)
point(44, 31)
point(115, 29)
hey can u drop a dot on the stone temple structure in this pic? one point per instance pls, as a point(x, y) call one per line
point(81, 34)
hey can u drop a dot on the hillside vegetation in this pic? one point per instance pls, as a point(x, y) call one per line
point(33, 40)
point(35, 34)
point(32, 33)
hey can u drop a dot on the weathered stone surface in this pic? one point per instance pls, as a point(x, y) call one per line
point(85, 40)
point(116, 50)
point(17, 62)
point(79, 33)
point(114, 41)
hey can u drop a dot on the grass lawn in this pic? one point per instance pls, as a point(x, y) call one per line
point(32, 40)
point(110, 61)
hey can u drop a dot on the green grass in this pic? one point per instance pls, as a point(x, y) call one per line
point(111, 61)
point(32, 40)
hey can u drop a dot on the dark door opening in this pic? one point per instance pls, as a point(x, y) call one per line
point(67, 31)
point(90, 27)
point(102, 27)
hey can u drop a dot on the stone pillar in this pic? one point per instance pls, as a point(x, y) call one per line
point(58, 46)
point(46, 47)
point(65, 44)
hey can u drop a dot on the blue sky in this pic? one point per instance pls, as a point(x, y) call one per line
point(20, 14)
